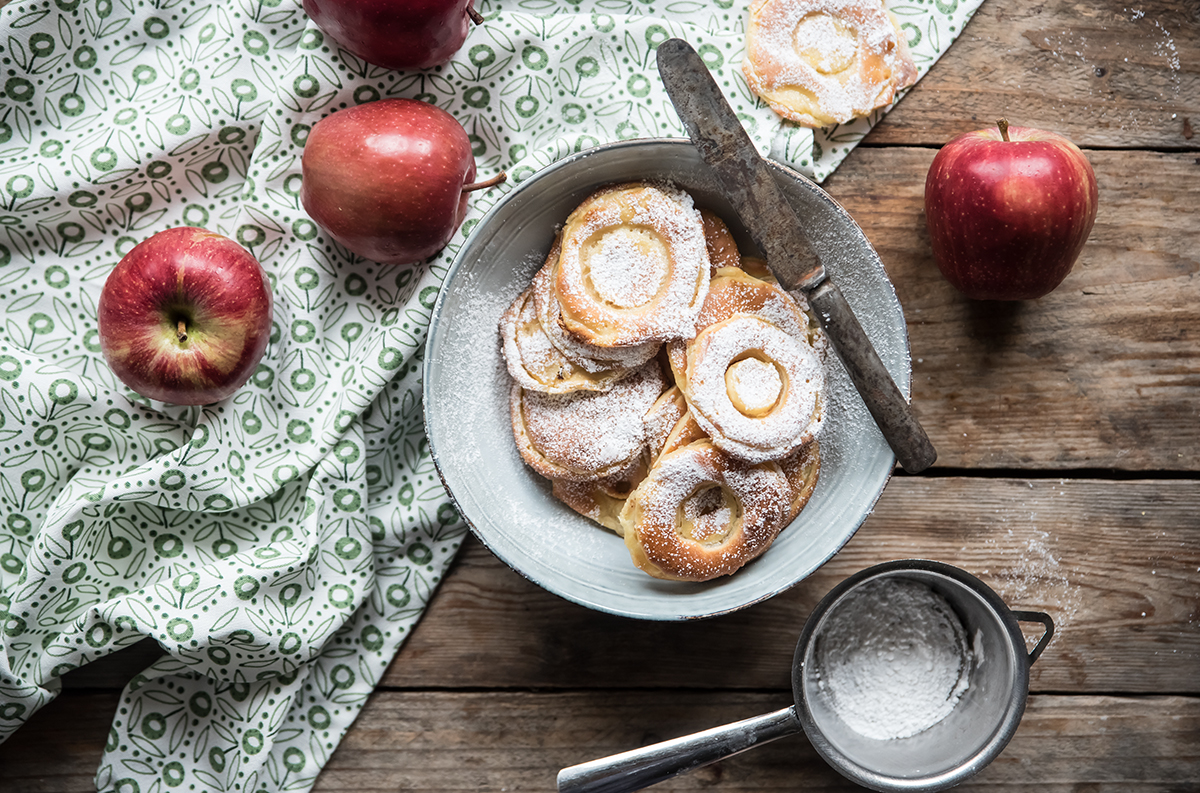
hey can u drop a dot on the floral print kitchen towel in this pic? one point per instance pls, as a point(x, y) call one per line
point(278, 545)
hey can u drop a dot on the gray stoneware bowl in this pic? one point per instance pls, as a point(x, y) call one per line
point(510, 508)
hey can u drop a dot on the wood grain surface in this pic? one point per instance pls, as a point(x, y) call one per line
point(1100, 373)
point(1114, 565)
point(1068, 432)
point(1107, 74)
point(517, 740)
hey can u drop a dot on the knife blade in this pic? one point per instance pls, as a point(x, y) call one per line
point(772, 223)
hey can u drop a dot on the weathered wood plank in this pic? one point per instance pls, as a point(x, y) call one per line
point(1105, 74)
point(431, 741)
point(444, 741)
point(1101, 373)
point(1114, 563)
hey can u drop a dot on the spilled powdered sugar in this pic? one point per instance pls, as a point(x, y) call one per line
point(1129, 46)
point(1026, 569)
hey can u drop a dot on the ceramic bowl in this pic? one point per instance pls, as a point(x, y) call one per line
point(510, 508)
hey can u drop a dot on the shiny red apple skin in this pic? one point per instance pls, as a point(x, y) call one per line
point(395, 34)
point(1008, 219)
point(386, 179)
point(210, 282)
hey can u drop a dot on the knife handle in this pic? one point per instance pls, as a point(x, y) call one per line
point(887, 405)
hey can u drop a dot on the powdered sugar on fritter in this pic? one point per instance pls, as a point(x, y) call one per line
point(792, 422)
point(590, 434)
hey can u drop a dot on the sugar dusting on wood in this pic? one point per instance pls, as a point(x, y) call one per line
point(1028, 572)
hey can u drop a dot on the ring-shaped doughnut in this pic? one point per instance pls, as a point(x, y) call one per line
point(700, 514)
point(586, 356)
point(753, 388)
point(825, 62)
point(734, 291)
point(633, 266)
point(585, 435)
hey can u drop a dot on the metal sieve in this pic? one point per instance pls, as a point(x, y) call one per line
point(977, 729)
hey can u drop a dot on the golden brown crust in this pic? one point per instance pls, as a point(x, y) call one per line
point(825, 62)
point(663, 415)
point(602, 500)
point(758, 268)
point(633, 267)
point(533, 360)
point(685, 431)
point(802, 469)
point(722, 248)
point(700, 514)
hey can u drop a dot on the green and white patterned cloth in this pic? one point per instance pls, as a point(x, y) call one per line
point(279, 545)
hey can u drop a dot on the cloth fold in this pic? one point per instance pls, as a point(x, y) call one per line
point(279, 545)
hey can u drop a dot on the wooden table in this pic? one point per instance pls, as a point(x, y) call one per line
point(1068, 430)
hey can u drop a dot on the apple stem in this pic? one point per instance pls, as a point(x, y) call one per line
point(1003, 125)
point(499, 178)
point(181, 331)
point(475, 16)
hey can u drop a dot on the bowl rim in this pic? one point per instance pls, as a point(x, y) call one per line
point(458, 263)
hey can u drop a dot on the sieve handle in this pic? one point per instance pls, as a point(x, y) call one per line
point(639, 768)
point(1044, 619)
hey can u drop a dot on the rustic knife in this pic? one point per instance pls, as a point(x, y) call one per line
point(773, 225)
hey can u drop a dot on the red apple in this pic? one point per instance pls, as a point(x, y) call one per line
point(1009, 209)
point(389, 179)
point(185, 317)
point(396, 34)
